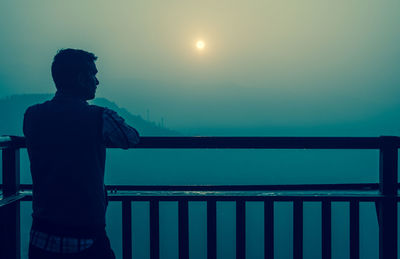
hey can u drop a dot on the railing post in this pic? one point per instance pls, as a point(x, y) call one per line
point(183, 226)
point(10, 239)
point(298, 229)
point(211, 229)
point(387, 209)
point(326, 230)
point(127, 229)
point(154, 229)
point(268, 229)
point(354, 229)
point(240, 229)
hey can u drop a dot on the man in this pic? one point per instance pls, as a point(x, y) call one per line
point(66, 140)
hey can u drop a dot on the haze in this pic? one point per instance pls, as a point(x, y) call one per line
point(306, 67)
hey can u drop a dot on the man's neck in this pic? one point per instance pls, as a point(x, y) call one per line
point(69, 95)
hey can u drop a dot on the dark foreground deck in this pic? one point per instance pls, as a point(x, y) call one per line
point(384, 194)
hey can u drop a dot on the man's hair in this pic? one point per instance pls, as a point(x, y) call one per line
point(68, 64)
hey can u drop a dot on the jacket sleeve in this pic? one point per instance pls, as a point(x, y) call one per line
point(116, 132)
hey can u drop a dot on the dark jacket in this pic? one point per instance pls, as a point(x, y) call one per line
point(67, 155)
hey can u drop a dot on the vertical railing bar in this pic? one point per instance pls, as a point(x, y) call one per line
point(183, 225)
point(354, 229)
point(298, 229)
point(154, 230)
point(11, 171)
point(127, 229)
point(211, 229)
point(387, 206)
point(268, 229)
point(240, 229)
point(326, 230)
point(10, 226)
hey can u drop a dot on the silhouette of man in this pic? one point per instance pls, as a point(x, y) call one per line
point(66, 140)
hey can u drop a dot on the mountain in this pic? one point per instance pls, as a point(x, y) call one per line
point(12, 110)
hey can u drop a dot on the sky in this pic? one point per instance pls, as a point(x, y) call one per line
point(310, 67)
point(268, 68)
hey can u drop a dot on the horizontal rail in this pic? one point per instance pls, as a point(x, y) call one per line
point(242, 142)
point(288, 187)
point(13, 198)
point(4, 140)
point(263, 142)
point(228, 196)
point(247, 198)
point(12, 141)
point(307, 192)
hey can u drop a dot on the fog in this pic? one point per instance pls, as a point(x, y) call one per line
point(268, 68)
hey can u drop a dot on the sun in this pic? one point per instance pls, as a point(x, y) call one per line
point(200, 45)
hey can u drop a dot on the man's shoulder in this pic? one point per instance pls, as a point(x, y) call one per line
point(35, 107)
point(109, 111)
point(96, 108)
point(50, 106)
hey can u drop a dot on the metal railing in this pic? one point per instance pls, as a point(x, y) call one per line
point(384, 194)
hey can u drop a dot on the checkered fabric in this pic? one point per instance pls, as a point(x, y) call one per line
point(59, 244)
point(116, 132)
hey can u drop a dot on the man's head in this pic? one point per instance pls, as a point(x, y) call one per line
point(74, 73)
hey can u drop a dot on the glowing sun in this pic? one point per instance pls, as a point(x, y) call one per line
point(200, 45)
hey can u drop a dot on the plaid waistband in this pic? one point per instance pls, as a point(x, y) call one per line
point(59, 244)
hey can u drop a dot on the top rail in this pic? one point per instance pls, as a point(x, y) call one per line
point(243, 142)
point(7, 141)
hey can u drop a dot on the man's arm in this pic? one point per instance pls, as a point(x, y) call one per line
point(116, 132)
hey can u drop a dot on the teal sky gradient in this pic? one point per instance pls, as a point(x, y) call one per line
point(306, 67)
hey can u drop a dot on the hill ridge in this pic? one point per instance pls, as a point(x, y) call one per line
point(12, 110)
